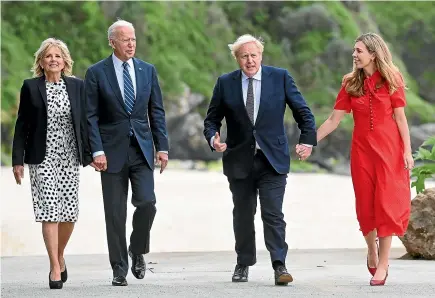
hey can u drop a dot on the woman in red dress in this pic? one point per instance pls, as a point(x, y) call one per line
point(381, 151)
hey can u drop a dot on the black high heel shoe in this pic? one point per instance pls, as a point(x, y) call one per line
point(64, 275)
point(54, 284)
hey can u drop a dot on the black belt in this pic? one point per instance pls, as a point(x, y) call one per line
point(133, 140)
point(259, 151)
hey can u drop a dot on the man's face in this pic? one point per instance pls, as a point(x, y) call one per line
point(249, 58)
point(124, 43)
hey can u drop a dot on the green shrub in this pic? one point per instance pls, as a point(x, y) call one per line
point(427, 169)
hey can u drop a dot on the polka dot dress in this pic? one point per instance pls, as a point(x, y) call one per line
point(55, 182)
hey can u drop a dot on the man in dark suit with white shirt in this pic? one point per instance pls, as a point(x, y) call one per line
point(256, 157)
point(126, 120)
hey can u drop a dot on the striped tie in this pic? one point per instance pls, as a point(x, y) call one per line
point(128, 90)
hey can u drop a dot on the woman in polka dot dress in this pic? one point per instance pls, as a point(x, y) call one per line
point(50, 136)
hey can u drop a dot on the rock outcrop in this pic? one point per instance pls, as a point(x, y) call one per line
point(419, 239)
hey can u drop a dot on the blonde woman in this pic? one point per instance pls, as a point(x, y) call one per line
point(381, 151)
point(50, 136)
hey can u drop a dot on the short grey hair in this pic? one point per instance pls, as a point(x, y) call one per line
point(119, 23)
point(234, 47)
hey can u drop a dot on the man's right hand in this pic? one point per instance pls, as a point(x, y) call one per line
point(218, 146)
point(100, 163)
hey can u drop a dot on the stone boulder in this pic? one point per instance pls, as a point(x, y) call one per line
point(419, 239)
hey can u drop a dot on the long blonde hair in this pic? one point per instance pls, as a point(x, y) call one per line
point(40, 53)
point(354, 81)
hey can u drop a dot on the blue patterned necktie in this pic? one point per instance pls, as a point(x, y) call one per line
point(128, 89)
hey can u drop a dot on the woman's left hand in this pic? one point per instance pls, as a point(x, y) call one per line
point(409, 161)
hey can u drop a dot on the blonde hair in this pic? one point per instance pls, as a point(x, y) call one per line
point(40, 53)
point(234, 47)
point(384, 63)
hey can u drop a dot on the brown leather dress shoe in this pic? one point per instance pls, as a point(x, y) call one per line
point(282, 277)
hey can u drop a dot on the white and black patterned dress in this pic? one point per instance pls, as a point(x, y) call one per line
point(55, 182)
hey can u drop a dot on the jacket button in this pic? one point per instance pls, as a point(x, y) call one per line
point(254, 131)
point(252, 146)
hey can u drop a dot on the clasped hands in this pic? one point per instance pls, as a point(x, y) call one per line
point(303, 151)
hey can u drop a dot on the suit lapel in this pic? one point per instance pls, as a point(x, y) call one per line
point(266, 91)
point(71, 90)
point(42, 89)
point(237, 86)
point(140, 78)
point(109, 69)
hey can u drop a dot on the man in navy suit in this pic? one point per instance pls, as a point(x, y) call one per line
point(126, 120)
point(256, 157)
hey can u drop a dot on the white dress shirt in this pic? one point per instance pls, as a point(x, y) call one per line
point(119, 70)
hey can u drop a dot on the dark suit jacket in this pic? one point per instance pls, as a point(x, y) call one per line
point(109, 122)
point(277, 90)
point(29, 144)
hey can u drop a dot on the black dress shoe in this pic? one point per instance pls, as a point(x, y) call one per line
point(282, 277)
point(119, 281)
point(54, 284)
point(137, 265)
point(241, 273)
point(64, 275)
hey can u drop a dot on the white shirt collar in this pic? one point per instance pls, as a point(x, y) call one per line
point(257, 76)
point(118, 62)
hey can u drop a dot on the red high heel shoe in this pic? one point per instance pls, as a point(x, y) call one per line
point(372, 270)
point(374, 282)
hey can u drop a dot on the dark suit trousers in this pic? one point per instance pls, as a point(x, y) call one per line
point(270, 186)
point(115, 192)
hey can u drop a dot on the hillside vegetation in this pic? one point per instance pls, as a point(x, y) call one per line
point(188, 44)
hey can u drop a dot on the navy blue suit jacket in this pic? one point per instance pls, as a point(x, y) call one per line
point(108, 121)
point(278, 90)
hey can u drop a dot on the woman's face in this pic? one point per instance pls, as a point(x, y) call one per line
point(361, 55)
point(52, 61)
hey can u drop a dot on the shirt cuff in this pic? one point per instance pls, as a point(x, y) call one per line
point(307, 145)
point(211, 142)
point(167, 152)
point(98, 153)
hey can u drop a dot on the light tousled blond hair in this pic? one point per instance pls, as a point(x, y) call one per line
point(390, 73)
point(234, 47)
point(40, 53)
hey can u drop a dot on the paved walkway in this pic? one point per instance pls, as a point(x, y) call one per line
point(192, 243)
point(317, 273)
point(194, 214)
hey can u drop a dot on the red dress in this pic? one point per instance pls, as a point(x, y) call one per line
point(380, 181)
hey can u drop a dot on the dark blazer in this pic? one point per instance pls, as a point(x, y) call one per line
point(278, 89)
point(109, 122)
point(29, 144)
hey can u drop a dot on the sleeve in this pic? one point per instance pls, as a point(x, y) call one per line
point(398, 98)
point(92, 111)
point(156, 113)
point(21, 127)
point(301, 112)
point(215, 115)
point(86, 154)
point(343, 100)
